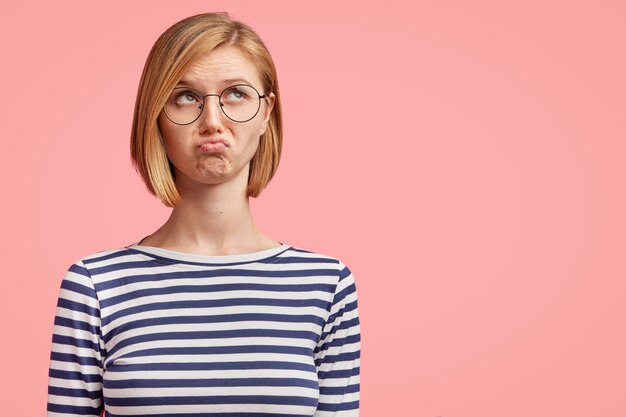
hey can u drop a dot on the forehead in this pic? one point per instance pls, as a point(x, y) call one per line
point(223, 65)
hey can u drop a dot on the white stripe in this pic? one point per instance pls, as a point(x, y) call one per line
point(215, 311)
point(216, 374)
point(211, 391)
point(231, 357)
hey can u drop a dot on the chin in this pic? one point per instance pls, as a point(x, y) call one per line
point(214, 168)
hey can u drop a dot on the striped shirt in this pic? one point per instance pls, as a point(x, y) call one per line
point(146, 331)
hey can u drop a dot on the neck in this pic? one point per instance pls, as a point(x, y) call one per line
point(211, 219)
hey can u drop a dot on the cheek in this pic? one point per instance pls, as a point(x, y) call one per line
point(253, 140)
point(164, 128)
point(169, 135)
point(256, 130)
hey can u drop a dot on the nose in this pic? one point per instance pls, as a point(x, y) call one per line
point(211, 116)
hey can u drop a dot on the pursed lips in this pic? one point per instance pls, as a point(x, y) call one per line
point(213, 145)
point(213, 141)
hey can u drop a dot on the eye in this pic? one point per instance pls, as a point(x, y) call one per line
point(186, 97)
point(235, 94)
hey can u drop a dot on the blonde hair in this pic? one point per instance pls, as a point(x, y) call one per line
point(170, 57)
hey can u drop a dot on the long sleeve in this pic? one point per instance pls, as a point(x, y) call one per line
point(75, 377)
point(338, 353)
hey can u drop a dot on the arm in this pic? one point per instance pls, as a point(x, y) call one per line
point(75, 377)
point(338, 353)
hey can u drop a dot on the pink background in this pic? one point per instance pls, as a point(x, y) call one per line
point(465, 159)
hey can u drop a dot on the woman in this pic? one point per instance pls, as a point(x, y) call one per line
point(207, 316)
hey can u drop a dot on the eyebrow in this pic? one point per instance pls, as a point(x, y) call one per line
point(226, 81)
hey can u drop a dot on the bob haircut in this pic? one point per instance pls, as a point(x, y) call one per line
point(170, 57)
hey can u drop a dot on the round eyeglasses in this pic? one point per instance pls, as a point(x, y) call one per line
point(240, 103)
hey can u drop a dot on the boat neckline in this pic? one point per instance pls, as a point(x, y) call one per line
point(172, 256)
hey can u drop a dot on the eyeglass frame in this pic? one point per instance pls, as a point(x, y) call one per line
point(219, 96)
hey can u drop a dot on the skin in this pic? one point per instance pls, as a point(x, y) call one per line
point(214, 216)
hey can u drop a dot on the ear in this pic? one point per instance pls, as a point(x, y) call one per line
point(269, 100)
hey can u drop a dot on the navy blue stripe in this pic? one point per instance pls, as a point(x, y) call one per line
point(78, 288)
point(79, 269)
point(73, 410)
point(354, 405)
point(210, 383)
point(76, 393)
point(222, 350)
point(75, 306)
point(76, 324)
point(75, 376)
point(350, 389)
point(68, 357)
point(303, 260)
point(342, 357)
point(203, 273)
point(191, 289)
point(344, 273)
point(215, 350)
point(340, 341)
point(341, 295)
point(221, 414)
point(341, 373)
